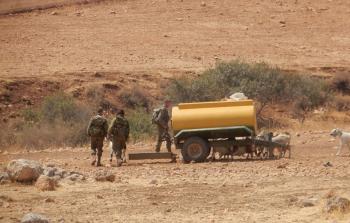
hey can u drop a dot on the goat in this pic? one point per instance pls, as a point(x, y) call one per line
point(284, 140)
point(344, 139)
point(230, 152)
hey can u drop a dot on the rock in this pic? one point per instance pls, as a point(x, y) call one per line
point(113, 12)
point(307, 203)
point(76, 177)
point(327, 164)
point(282, 166)
point(34, 218)
point(154, 181)
point(54, 13)
point(22, 170)
point(203, 4)
point(4, 178)
point(49, 171)
point(61, 173)
point(104, 176)
point(46, 183)
point(49, 200)
point(337, 204)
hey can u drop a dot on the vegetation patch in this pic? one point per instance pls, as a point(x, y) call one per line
point(264, 83)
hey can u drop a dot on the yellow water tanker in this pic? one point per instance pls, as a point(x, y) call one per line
point(217, 114)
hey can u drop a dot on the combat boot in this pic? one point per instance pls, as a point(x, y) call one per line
point(119, 162)
point(99, 161)
point(157, 149)
point(93, 160)
point(111, 158)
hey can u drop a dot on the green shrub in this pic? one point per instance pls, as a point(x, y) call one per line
point(59, 121)
point(59, 107)
point(259, 81)
point(30, 116)
point(341, 83)
point(140, 124)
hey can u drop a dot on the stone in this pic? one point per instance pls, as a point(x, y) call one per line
point(45, 183)
point(34, 218)
point(54, 13)
point(307, 202)
point(282, 166)
point(59, 172)
point(49, 171)
point(337, 204)
point(75, 177)
point(203, 4)
point(104, 176)
point(154, 181)
point(327, 164)
point(4, 178)
point(22, 170)
point(49, 200)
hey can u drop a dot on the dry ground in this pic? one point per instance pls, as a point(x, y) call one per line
point(239, 191)
point(143, 42)
point(163, 37)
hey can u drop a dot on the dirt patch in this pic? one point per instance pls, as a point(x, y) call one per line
point(235, 191)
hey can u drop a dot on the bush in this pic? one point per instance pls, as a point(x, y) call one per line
point(341, 83)
point(140, 124)
point(59, 121)
point(259, 81)
point(342, 103)
point(59, 107)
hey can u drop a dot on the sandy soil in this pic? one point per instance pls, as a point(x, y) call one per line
point(144, 42)
point(163, 37)
point(239, 191)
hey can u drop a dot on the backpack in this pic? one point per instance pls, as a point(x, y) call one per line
point(120, 129)
point(97, 127)
point(155, 115)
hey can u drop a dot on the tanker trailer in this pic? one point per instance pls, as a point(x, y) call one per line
point(198, 127)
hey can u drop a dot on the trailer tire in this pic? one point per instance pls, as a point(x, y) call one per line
point(195, 149)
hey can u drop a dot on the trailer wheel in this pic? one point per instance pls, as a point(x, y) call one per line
point(195, 149)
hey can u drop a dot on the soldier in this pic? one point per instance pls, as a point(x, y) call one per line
point(161, 118)
point(97, 130)
point(118, 132)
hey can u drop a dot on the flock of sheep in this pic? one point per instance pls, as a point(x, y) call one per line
point(283, 139)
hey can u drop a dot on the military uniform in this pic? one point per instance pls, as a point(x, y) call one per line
point(162, 121)
point(118, 132)
point(97, 130)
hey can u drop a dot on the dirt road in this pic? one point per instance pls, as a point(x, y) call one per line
point(239, 191)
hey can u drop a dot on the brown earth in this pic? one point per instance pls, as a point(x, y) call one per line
point(120, 45)
point(130, 39)
point(238, 191)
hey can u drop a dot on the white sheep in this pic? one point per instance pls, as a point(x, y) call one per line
point(284, 140)
point(344, 139)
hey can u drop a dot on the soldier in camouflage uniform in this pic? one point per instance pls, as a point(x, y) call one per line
point(97, 131)
point(118, 133)
point(161, 120)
